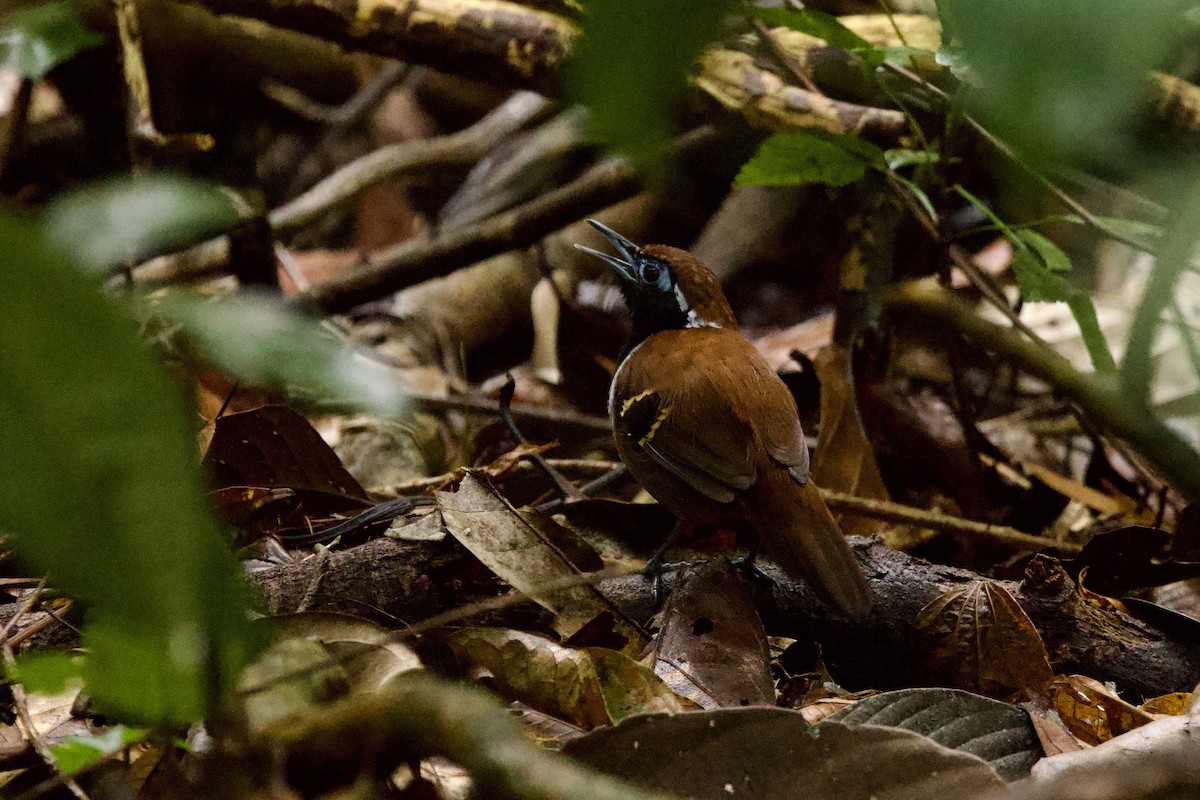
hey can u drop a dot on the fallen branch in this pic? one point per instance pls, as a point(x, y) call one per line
point(415, 261)
point(402, 581)
point(492, 40)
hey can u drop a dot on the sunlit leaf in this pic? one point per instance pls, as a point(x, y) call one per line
point(128, 218)
point(35, 39)
point(810, 157)
point(100, 488)
point(77, 752)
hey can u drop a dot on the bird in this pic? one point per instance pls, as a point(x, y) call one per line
point(708, 428)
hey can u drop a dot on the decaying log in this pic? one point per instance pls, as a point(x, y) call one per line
point(885, 650)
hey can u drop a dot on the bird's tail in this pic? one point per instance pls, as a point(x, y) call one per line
point(797, 530)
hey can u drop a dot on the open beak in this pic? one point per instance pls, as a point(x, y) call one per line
point(625, 247)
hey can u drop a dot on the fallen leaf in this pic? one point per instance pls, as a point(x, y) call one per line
point(982, 640)
point(844, 460)
point(521, 554)
point(1091, 711)
point(773, 752)
point(712, 648)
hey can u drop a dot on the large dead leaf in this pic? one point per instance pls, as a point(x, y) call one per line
point(586, 687)
point(774, 753)
point(712, 648)
point(522, 555)
point(844, 461)
point(982, 640)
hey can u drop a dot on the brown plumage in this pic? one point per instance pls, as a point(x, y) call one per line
point(707, 427)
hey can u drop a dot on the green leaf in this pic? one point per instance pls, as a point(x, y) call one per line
point(1063, 81)
point(79, 752)
point(131, 218)
point(919, 193)
point(899, 158)
point(100, 488)
point(630, 67)
point(1037, 283)
point(264, 343)
point(821, 25)
point(1047, 251)
point(1093, 338)
point(810, 157)
point(36, 38)
point(47, 673)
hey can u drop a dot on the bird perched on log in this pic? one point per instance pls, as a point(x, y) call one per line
point(707, 427)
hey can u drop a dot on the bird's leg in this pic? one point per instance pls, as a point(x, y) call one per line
point(657, 565)
point(747, 564)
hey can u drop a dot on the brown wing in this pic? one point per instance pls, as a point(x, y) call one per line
point(704, 404)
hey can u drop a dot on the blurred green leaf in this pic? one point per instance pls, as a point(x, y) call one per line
point(630, 67)
point(100, 488)
point(36, 38)
point(821, 25)
point(1061, 81)
point(131, 218)
point(262, 342)
point(899, 158)
point(810, 157)
point(47, 673)
point(79, 752)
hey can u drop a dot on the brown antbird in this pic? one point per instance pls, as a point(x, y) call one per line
point(709, 429)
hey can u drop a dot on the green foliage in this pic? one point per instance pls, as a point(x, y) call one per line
point(110, 222)
point(36, 38)
point(630, 67)
point(1061, 81)
point(48, 673)
point(1039, 266)
point(810, 157)
point(100, 487)
point(264, 343)
point(79, 752)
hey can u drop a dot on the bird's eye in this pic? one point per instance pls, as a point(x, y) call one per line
point(651, 272)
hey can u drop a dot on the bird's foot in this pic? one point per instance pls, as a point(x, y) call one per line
point(654, 570)
point(748, 566)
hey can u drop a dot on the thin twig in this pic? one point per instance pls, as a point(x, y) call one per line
point(566, 489)
point(787, 59)
point(935, 520)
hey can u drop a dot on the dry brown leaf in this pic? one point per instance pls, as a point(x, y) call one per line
point(845, 460)
point(586, 687)
point(712, 648)
point(984, 641)
point(1091, 711)
point(521, 554)
point(556, 680)
point(1174, 704)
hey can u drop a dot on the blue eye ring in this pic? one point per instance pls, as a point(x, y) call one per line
point(651, 272)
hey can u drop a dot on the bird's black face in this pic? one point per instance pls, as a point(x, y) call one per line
point(646, 282)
